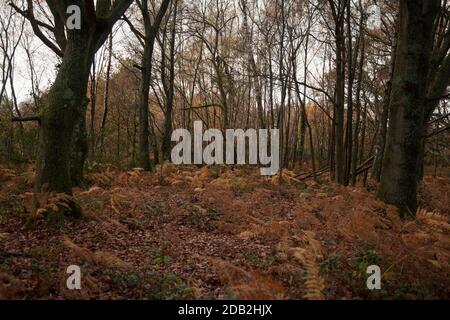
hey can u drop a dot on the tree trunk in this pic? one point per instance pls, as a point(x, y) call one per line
point(382, 125)
point(339, 112)
point(338, 10)
point(252, 68)
point(62, 120)
point(151, 31)
point(350, 81)
point(143, 157)
point(63, 139)
point(106, 97)
point(407, 106)
point(304, 121)
point(80, 148)
point(439, 81)
point(170, 88)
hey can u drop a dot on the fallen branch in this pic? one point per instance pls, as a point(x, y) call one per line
point(366, 165)
point(311, 175)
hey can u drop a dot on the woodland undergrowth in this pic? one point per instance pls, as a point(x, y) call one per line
point(219, 233)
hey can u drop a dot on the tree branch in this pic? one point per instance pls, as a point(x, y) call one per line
point(29, 15)
point(26, 119)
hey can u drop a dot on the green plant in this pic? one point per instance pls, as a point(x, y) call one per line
point(408, 291)
point(156, 208)
point(172, 287)
point(240, 186)
point(153, 286)
point(38, 267)
point(159, 256)
point(203, 219)
point(330, 263)
point(163, 260)
point(55, 219)
point(364, 258)
point(131, 279)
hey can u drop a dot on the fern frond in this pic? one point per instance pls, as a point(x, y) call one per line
point(314, 283)
point(433, 218)
point(423, 214)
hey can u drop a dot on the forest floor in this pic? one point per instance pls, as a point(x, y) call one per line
point(218, 233)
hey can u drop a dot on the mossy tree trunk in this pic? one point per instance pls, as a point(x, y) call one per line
point(62, 148)
point(407, 104)
point(63, 139)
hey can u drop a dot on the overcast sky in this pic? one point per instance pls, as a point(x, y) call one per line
point(45, 60)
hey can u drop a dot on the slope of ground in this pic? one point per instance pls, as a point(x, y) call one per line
point(219, 233)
